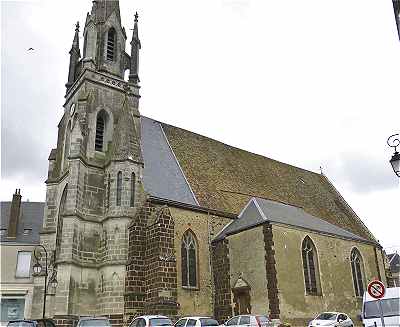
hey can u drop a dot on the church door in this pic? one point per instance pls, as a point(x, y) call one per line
point(241, 297)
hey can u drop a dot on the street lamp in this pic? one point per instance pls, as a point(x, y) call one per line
point(37, 271)
point(394, 141)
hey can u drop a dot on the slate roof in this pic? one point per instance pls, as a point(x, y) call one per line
point(31, 217)
point(225, 178)
point(162, 177)
point(259, 211)
point(394, 262)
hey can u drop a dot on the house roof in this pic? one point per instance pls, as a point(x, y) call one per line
point(394, 262)
point(259, 211)
point(225, 178)
point(31, 218)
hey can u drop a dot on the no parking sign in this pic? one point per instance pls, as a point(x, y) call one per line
point(376, 289)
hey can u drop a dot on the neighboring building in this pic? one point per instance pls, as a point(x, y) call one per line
point(145, 217)
point(394, 267)
point(21, 223)
point(396, 8)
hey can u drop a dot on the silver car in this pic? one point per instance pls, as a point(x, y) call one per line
point(153, 321)
point(94, 322)
point(248, 320)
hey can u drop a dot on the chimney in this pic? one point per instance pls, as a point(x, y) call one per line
point(14, 214)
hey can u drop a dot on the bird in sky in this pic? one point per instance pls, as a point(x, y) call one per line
point(31, 49)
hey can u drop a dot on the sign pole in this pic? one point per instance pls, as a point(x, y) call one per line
point(381, 313)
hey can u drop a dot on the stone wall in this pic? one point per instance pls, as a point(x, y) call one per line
point(335, 274)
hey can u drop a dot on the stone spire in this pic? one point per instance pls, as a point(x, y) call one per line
point(126, 143)
point(102, 9)
point(396, 7)
point(75, 54)
point(135, 47)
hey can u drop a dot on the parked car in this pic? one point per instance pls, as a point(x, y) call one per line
point(196, 322)
point(248, 320)
point(32, 323)
point(151, 321)
point(336, 319)
point(93, 322)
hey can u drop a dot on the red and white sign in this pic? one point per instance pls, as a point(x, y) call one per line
point(376, 289)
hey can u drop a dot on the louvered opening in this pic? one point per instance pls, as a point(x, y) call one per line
point(111, 44)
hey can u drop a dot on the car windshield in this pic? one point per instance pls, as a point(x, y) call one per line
point(208, 322)
point(390, 307)
point(21, 324)
point(160, 322)
point(326, 316)
point(95, 323)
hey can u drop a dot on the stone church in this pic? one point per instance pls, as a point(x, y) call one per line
point(142, 217)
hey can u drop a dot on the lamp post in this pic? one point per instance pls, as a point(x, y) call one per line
point(394, 141)
point(37, 271)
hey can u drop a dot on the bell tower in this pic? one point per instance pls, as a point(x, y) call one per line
point(94, 183)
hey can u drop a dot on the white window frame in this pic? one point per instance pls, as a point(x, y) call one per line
point(19, 273)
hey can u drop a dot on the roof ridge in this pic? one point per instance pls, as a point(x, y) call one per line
point(232, 146)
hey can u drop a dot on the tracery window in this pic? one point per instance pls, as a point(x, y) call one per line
point(133, 180)
point(189, 260)
point(357, 270)
point(119, 188)
point(100, 127)
point(310, 267)
point(61, 210)
point(111, 42)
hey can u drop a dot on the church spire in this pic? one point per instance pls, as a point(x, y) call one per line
point(75, 54)
point(102, 9)
point(135, 47)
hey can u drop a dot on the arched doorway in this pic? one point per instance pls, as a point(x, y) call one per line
point(241, 297)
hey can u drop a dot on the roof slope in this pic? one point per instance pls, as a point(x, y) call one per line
point(31, 217)
point(258, 211)
point(224, 178)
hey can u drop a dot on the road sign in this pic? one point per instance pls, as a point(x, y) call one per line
point(376, 289)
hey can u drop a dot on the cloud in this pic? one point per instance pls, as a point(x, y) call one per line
point(363, 173)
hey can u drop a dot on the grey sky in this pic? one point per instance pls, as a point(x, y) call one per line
point(311, 83)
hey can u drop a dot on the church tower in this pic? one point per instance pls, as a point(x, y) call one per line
point(94, 184)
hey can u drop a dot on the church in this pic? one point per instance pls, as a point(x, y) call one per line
point(142, 217)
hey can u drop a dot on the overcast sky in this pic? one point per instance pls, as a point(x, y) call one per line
point(311, 83)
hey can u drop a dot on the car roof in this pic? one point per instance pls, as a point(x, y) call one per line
point(196, 317)
point(152, 316)
point(93, 318)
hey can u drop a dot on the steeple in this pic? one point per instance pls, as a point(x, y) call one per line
point(135, 47)
point(102, 9)
point(396, 7)
point(75, 54)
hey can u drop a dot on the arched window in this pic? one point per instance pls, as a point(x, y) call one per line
point(133, 180)
point(100, 129)
point(357, 270)
point(61, 210)
point(119, 188)
point(108, 190)
point(111, 42)
point(67, 141)
point(189, 260)
point(310, 267)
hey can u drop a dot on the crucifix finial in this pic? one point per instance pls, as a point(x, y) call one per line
point(136, 17)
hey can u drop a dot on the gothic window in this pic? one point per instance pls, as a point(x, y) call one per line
point(119, 188)
point(111, 42)
point(85, 44)
point(66, 146)
point(189, 260)
point(61, 209)
point(133, 179)
point(310, 267)
point(108, 191)
point(357, 270)
point(100, 129)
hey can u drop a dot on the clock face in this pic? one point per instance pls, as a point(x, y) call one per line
point(72, 109)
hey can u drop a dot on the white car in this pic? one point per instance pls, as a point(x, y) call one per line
point(248, 320)
point(196, 322)
point(336, 319)
point(153, 321)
